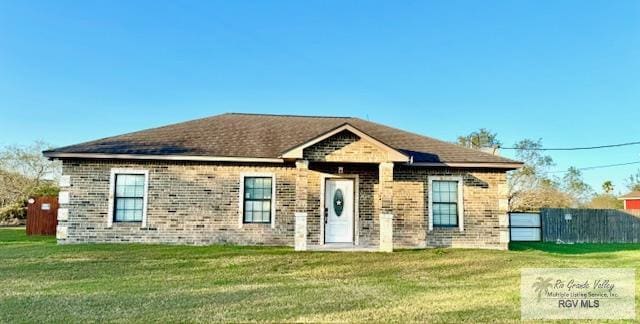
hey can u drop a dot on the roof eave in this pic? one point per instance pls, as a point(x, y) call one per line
point(91, 156)
point(487, 165)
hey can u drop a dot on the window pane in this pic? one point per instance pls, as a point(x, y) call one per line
point(128, 209)
point(445, 191)
point(259, 194)
point(248, 183)
point(445, 214)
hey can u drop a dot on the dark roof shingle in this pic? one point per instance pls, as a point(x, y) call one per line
point(268, 136)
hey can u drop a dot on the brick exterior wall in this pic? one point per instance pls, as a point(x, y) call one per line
point(345, 147)
point(482, 212)
point(198, 203)
point(188, 203)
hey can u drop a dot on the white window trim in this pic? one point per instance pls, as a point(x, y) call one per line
point(459, 179)
point(241, 196)
point(112, 193)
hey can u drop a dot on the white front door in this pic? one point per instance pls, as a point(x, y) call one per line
point(338, 203)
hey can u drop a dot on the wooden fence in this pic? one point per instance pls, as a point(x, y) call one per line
point(590, 225)
point(42, 216)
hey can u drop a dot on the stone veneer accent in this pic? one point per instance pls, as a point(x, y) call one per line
point(386, 233)
point(197, 203)
point(301, 232)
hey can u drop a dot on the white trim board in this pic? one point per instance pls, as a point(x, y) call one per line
point(468, 165)
point(241, 196)
point(54, 155)
point(291, 154)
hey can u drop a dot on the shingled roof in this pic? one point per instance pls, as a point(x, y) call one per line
point(236, 135)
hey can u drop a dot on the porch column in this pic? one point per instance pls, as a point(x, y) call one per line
point(300, 240)
point(386, 206)
point(503, 214)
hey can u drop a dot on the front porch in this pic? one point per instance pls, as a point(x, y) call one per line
point(366, 218)
point(343, 247)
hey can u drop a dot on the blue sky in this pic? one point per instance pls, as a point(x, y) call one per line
point(564, 71)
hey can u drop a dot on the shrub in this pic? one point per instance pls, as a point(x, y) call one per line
point(14, 210)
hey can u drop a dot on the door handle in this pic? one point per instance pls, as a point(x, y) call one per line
point(326, 215)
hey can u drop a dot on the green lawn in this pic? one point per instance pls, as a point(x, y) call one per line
point(43, 282)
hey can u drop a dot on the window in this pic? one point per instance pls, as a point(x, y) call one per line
point(257, 199)
point(129, 197)
point(445, 202)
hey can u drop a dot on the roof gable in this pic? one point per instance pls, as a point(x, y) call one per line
point(393, 155)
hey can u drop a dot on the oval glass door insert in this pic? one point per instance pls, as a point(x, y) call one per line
point(338, 202)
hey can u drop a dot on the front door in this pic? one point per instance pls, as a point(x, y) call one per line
point(338, 204)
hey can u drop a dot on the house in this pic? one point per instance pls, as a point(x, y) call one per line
point(303, 181)
point(631, 200)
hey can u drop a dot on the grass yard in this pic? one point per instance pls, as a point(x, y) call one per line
point(43, 282)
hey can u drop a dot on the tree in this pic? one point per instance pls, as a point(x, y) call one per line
point(605, 201)
point(547, 194)
point(607, 187)
point(479, 139)
point(24, 172)
point(633, 182)
point(574, 185)
point(29, 162)
point(529, 186)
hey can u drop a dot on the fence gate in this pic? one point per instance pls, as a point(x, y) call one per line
point(525, 227)
point(42, 216)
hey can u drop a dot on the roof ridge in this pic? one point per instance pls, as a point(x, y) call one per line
point(288, 115)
